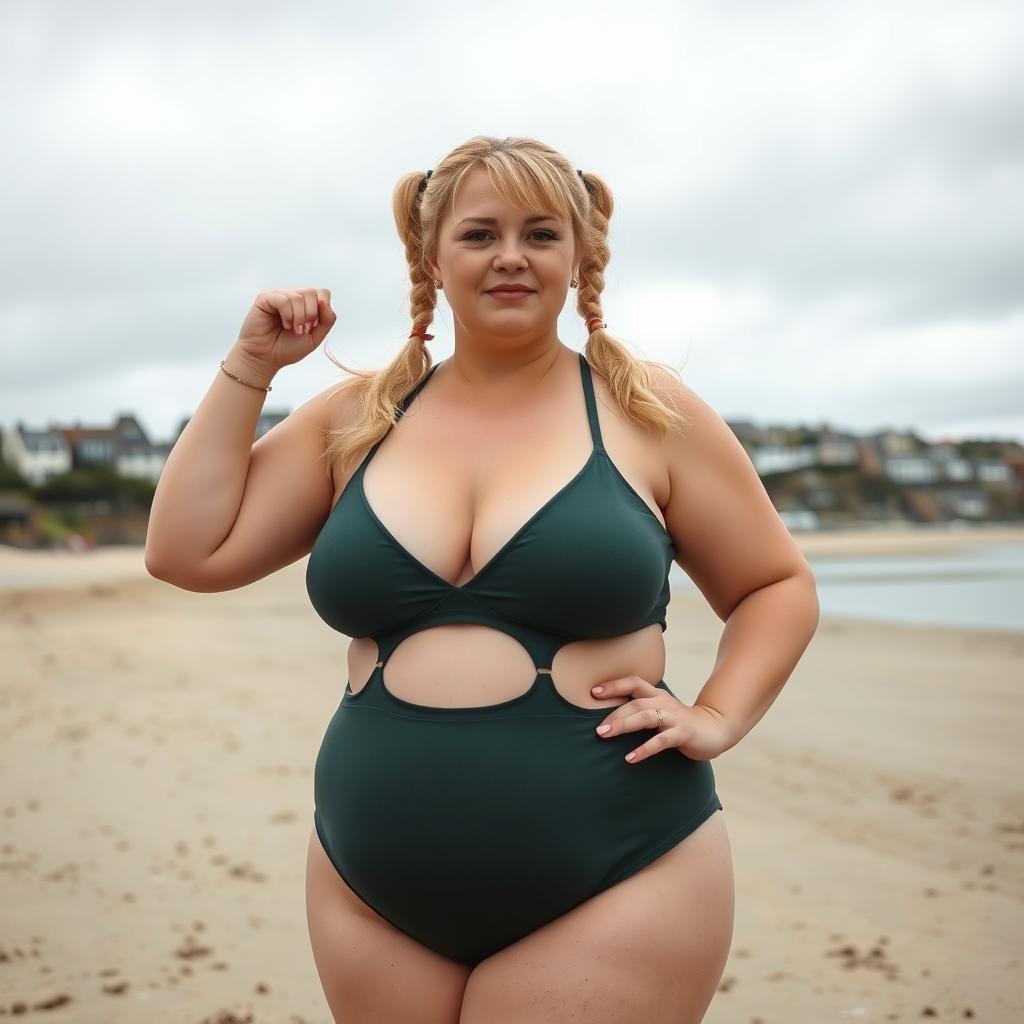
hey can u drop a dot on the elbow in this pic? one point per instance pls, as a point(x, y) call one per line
point(160, 568)
point(153, 566)
point(193, 581)
point(153, 560)
point(813, 601)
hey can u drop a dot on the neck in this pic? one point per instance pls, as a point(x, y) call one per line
point(493, 374)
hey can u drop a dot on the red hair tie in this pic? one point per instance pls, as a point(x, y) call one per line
point(421, 332)
point(594, 322)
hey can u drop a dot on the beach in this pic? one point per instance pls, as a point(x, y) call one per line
point(157, 750)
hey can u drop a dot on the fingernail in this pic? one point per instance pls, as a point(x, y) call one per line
point(598, 689)
point(602, 729)
point(629, 757)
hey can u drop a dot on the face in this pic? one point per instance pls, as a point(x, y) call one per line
point(508, 246)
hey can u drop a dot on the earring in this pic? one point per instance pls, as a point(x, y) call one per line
point(437, 284)
point(574, 282)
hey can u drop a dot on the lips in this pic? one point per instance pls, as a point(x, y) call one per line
point(506, 289)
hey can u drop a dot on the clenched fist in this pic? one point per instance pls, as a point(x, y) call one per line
point(283, 326)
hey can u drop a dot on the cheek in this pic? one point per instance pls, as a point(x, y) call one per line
point(468, 271)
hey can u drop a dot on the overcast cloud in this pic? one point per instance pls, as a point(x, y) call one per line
point(819, 205)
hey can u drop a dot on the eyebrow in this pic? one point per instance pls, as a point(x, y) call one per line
point(492, 220)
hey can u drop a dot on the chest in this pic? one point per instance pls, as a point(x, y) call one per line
point(455, 487)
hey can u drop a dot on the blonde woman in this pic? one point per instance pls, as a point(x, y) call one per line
point(515, 817)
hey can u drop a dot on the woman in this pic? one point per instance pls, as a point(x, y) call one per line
point(483, 851)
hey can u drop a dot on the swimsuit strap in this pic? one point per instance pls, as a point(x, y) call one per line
point(404, 404)
point(588, 391)
point(399, 411)
point(588, 394)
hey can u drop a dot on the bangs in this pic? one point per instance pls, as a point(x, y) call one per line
point(521, 180)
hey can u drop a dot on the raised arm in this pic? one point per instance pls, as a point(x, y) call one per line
point(228, 511)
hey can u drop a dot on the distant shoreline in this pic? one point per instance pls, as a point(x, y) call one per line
point(22, 569)
point(910, 540)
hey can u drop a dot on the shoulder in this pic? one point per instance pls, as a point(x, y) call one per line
point(701, 424)
point(728, 537)
point(333, 408)
point(702, 448)
point(323, 412)
point(337, 406)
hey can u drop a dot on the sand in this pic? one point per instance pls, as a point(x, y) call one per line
point(156, 758)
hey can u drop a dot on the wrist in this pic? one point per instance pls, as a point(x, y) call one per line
point(249, 370)
point(728, 736)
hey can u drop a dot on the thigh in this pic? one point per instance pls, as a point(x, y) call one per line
point(370, 971)
point(650, 949)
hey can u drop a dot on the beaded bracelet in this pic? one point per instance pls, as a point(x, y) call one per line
point(245, 382)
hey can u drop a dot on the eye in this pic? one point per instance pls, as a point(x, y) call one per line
point(468, 237)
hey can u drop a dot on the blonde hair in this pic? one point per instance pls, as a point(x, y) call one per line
point(525, 173)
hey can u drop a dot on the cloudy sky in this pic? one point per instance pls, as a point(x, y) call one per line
point(819, 205)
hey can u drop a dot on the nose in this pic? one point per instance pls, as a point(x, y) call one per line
point(509, 256)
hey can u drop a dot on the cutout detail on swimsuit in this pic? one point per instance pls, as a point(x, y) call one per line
point(458, 665)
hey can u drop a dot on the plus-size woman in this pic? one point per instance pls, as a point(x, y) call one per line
point(494, 533)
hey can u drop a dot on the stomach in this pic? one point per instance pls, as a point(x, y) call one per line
point(430, 813)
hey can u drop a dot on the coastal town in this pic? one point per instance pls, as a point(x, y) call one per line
point(86, 485)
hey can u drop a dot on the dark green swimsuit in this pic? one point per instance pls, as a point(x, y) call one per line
point(469, 827)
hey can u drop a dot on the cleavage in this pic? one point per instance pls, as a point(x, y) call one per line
point(455, 518)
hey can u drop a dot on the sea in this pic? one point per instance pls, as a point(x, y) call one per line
point(980, 586)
